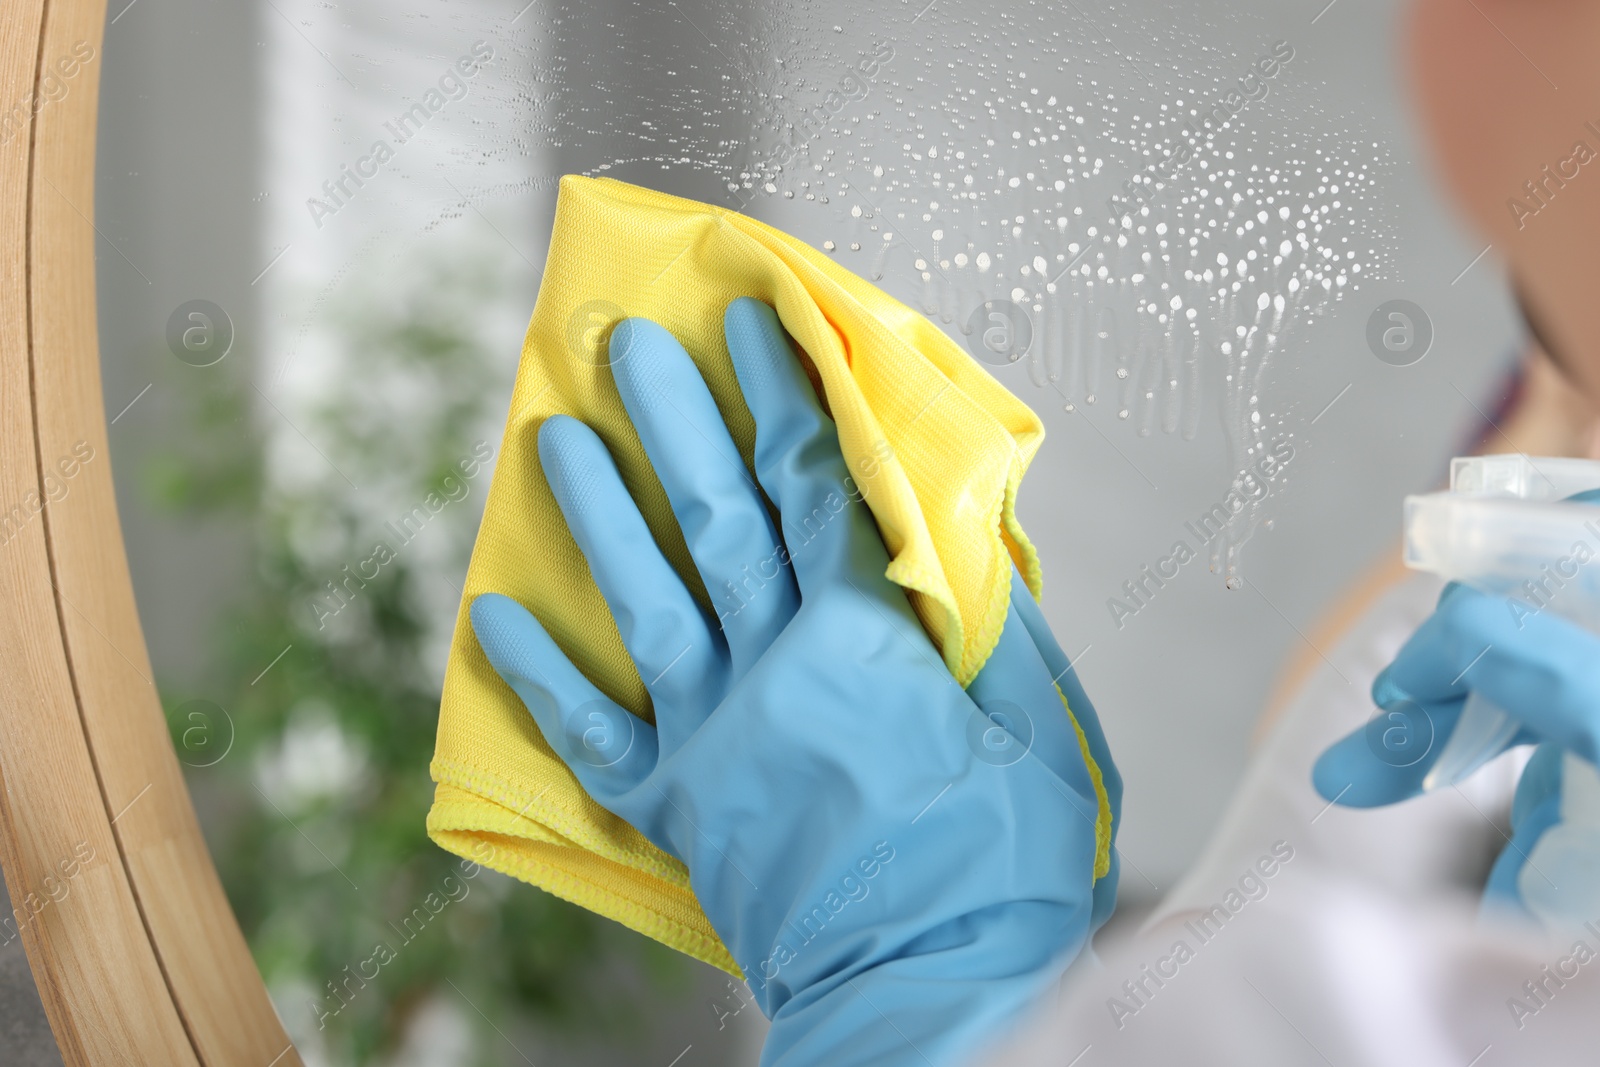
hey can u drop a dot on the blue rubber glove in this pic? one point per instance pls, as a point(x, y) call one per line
point(895, 874)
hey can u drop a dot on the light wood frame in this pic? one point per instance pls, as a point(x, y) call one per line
point(136, 952)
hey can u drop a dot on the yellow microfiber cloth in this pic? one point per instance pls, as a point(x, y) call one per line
point(937, 444)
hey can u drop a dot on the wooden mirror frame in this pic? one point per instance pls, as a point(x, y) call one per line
point(136, 952)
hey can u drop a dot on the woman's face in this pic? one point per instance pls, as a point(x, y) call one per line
point(1507, 89)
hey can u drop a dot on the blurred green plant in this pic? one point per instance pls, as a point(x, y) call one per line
point(315, 813)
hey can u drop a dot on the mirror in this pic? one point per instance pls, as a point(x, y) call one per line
point(318, 233)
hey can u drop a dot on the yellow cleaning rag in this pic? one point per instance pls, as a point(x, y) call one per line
point(936, 444)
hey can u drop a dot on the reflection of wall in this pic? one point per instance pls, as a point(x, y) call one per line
point(654, 90)
point(177, 204)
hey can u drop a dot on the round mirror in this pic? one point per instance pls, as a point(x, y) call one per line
point(271, 268)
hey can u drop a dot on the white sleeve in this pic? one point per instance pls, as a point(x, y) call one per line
point(1325, 972)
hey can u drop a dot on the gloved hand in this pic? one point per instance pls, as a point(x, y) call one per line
point(894, 873)
point(1541, 669)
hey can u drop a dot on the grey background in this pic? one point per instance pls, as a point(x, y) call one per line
point(1179, 688)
